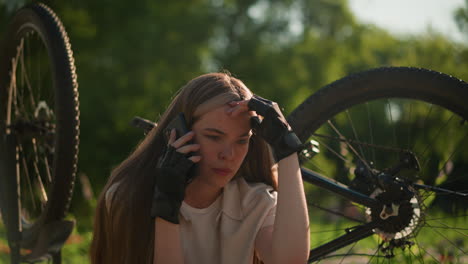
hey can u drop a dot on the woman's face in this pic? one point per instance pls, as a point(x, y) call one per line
point(224, 142)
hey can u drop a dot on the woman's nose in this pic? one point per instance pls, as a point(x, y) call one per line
point(227, 152)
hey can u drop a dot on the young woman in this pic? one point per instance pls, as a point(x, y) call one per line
point(228, 191)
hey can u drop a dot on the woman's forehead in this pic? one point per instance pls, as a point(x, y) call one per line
point(219, 118)
point(216, 102)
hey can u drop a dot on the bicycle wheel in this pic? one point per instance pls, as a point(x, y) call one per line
point(366, 125)
point(39, 107)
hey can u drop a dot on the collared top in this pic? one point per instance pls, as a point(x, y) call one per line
point(225, 231)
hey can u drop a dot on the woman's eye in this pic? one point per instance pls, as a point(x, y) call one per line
point(212, 137)
point(243, 141)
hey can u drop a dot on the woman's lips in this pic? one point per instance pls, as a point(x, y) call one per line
point(222, 171)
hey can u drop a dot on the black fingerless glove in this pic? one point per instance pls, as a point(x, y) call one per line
point(274, 128)
point(169, 189)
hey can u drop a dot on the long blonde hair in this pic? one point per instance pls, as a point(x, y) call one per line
point(124, 231)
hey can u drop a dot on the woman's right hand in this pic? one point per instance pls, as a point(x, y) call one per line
point(171, 178)
point(183, 145)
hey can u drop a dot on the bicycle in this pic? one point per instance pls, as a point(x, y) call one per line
point(393, 199)
point(399, 184)
point(39, 129)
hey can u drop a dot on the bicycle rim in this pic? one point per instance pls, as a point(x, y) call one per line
point(39, 99)
point(369, 121)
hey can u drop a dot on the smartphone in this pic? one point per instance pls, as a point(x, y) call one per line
point(179, 124)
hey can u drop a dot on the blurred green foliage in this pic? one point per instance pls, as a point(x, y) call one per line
point(132, 56)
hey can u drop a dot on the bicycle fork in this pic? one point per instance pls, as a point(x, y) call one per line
point(9, 194)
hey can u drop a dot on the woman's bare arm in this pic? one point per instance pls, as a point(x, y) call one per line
point(167, 246)
point(287, 241)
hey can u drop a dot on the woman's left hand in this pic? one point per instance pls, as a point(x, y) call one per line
point(273, 128)
point(238, 107)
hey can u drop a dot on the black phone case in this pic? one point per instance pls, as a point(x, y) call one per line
point(181, 127)
point(179, 124)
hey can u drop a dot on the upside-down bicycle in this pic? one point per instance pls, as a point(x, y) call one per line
point(39, 127)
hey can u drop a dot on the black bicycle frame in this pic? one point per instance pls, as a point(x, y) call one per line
point(359, 232)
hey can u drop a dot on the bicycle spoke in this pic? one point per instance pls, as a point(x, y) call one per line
point(444, 218)
point(28, 85)
point(333, 151)
point(433, 140)
point(12, 90)
point(25, 170)
point(39, 76)
point(355, 133)
point(36, 161)
point(317, 167)
point(25, 82)
point(31, 192)
point(22, 65)
point(408, 143)
point(420, 251)
point(375, 254)
point(443, 167)
point(425, 251)
point(390, 114)
point(335, 212)
point(348, 144)
point(42, 72)
point(446, 239)
point(412, 253)
point(371, 133)
point(47, 169)
point(354, 254)
point(349, 250)
point(456, 229)
point(41, 188)
point(439, 191)
point(426, 117)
